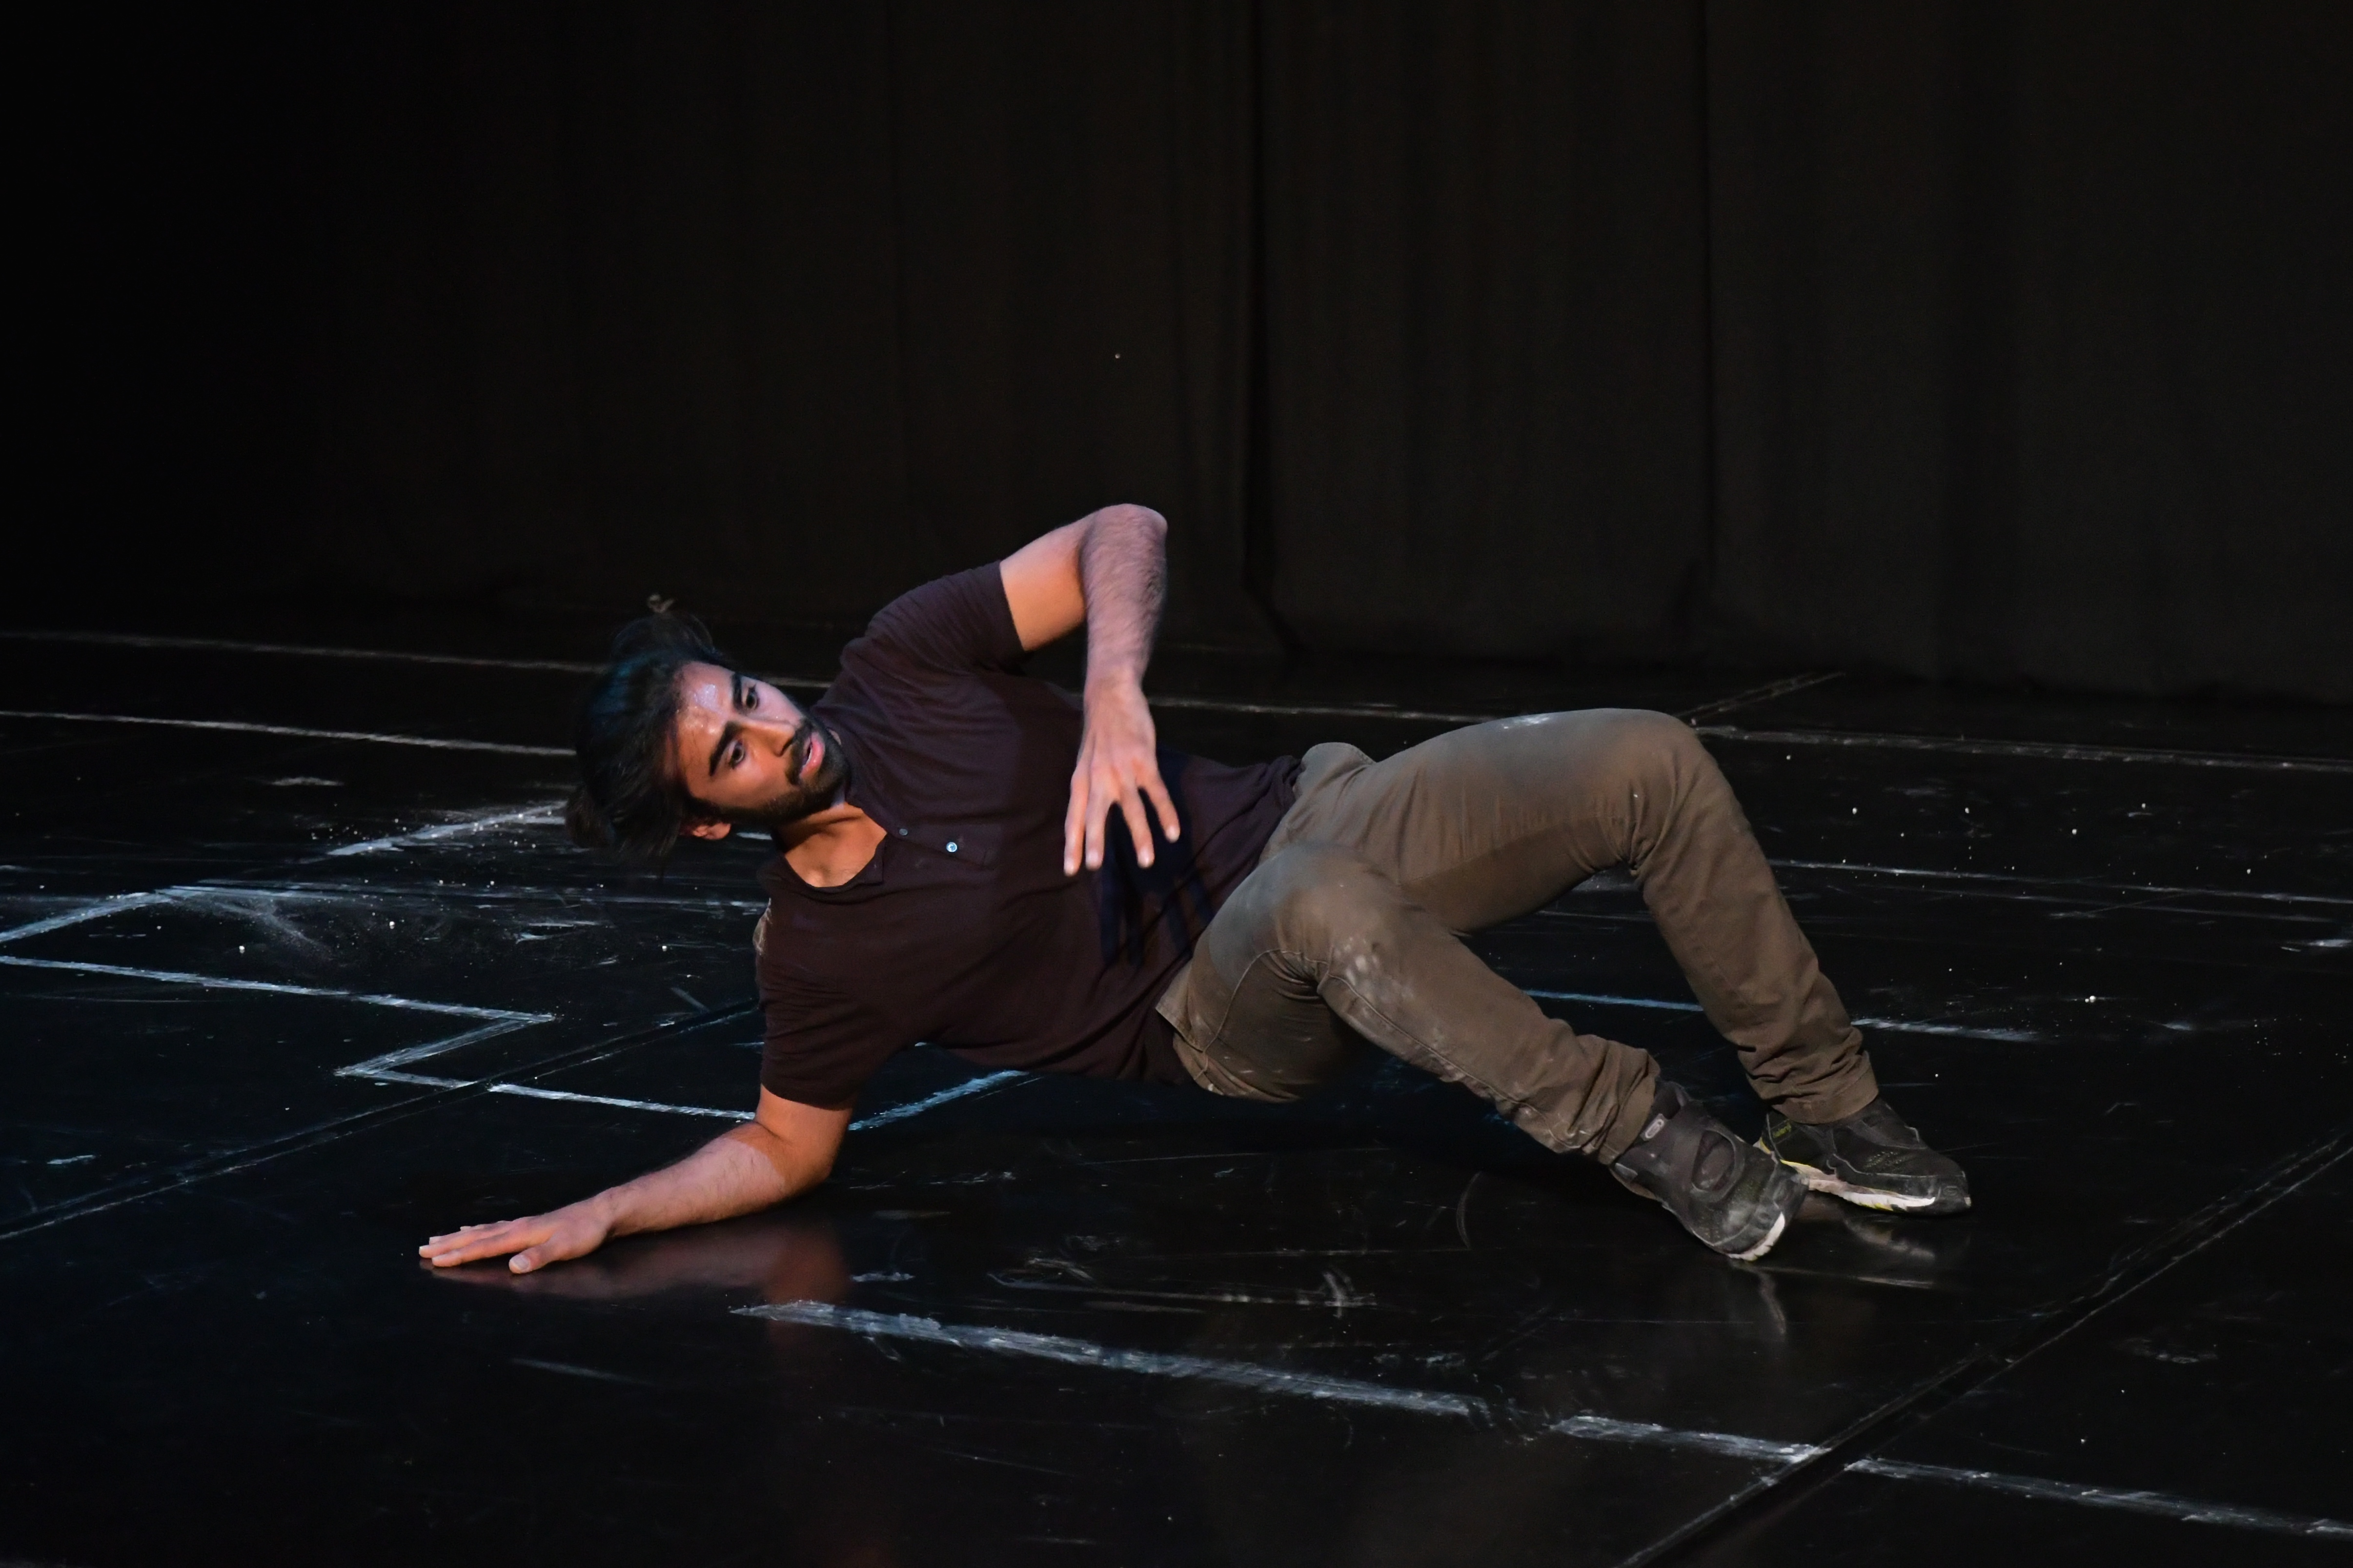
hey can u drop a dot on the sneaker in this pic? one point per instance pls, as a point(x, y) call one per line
point(1729, 1195)
point(1871, 1159)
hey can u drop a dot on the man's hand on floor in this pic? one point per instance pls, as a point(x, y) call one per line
point(572, 1231)
point(1119, 764)
point(787, 1148)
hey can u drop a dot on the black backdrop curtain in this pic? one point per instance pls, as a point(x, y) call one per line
point(781, 308)
point(1486, 302)
point(2033, 329)
point(2000, 341)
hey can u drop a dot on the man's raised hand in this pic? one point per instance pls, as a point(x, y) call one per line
point(572, 1231)
point(1119, 764)
point(1106, 572)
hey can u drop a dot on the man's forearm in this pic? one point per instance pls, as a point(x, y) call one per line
point(744, 1170)
point(1123, 572)
point(1108, 570)
point(787, 1150)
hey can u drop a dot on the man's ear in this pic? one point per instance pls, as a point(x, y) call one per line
point(713, 830)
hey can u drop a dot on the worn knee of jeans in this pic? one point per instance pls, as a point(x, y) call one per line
point(1284, 927)
point(1329, 907)
point(1657, 761)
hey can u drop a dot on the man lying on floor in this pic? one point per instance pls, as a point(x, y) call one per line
point(953, 869)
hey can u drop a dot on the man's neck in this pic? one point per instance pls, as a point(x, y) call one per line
point(826, 849)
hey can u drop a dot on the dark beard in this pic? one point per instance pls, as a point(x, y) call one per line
point(809, 793)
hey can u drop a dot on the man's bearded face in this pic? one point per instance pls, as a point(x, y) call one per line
point(748, 754)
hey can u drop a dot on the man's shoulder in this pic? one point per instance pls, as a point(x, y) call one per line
point(955, 624)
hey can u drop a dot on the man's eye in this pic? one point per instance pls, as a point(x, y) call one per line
point(735, 755)
point(751, 697)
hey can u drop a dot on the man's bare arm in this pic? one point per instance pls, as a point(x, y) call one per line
point(788, 1149)
point(1107, 569)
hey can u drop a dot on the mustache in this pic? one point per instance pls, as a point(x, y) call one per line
point(834, 765)
point(797, 750)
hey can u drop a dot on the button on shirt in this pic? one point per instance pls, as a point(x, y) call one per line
point(962, 929)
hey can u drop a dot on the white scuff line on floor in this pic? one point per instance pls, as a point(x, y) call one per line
point(1756, 694)
point(1436, 716)
point(217, 982)
point(2050, 750)
point(2161, 1505)
point(118, 903)
point(1349, 1391)
point(1079, 1352)
point(385, 1070)
point(1324, 709)
point(389, 1075)
point(223, 644)
point(1765, 693)
point(198, 894)
point(431, 743)
point(2064, 882)
point(497, 1020)
point(547, 813)
point(916, 1108)
point(576, 667)
point(1604, 1430)
point(376, 1073)
point(98, 910)
point(1600, 1000)
point(381, 890)
point(532, 1092)
point(376, 1067)
point(1897, 1025)
point(1956, 1031)
point(371, 654)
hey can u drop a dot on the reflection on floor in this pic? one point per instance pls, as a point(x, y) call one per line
point(297, 969)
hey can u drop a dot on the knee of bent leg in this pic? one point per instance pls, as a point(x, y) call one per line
point(1320, 893)
point(1640, 745)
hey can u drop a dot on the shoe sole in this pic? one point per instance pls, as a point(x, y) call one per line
point(1780, 1224)
point(1878, 1198)
point(1781, 1221)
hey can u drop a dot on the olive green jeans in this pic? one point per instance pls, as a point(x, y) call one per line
point(1351, 928)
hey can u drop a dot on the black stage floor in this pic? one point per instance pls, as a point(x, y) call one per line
point(296, 970)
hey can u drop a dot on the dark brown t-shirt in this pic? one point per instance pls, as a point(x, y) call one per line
point(963, 930)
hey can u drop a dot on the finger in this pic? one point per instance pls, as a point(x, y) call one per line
point(1099, 803)
point(1074, 824)
point(554, 1247)
point(1130, 806)
point(491, 1242)
point(470, 1253)
point(450, 1257)
point(1160, 801)
point(464, 1231)
point(458, 1239)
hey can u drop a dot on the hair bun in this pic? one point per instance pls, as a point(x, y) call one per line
point(664, 631)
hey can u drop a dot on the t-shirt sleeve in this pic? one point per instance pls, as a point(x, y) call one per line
point(821, 1046)
point(957, 622)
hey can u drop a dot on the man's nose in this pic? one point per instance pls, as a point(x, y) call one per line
point(774, 733)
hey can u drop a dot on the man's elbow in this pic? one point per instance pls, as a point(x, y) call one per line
point(795, 1165)
point(1128, 514)
point(807, 1162)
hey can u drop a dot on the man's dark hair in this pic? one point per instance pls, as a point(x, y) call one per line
point(631, 802)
